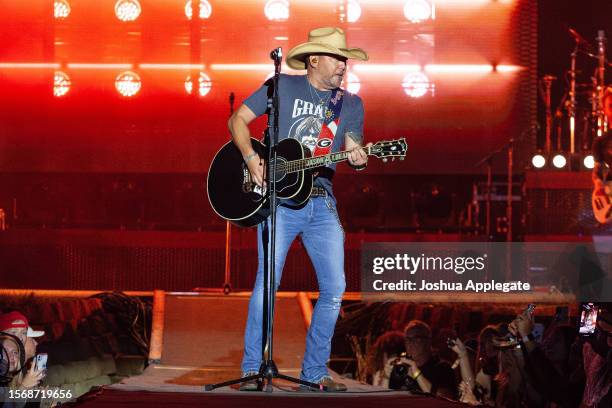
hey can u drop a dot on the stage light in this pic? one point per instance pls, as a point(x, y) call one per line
point(128, 83)
point(61, 84)
point(277, 10)
point(127, 10)
point(352, 83)
point(353, 11)
point(417, 11)
point(538, 161)
point(61, 9)
point(458, 68)
point(416, 84)
point(559, 161)
point(204, 84)
point(589, 162)
point(205, 9)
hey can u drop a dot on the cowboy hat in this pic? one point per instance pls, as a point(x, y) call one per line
point(326, 40)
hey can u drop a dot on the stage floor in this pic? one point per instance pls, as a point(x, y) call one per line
point(162, 386)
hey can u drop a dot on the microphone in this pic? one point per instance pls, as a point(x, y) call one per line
point(276, 54)
point(578, 38)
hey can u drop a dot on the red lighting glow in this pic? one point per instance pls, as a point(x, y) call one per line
point(61, 9)
point(277, 10)
point(127, 10)
point(61, 84)
point(205, 9)
point(204, 84)
point(128, 83)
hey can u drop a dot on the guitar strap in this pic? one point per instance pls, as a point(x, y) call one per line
point(331, 120)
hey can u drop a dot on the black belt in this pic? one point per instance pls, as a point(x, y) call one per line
point(318, 192)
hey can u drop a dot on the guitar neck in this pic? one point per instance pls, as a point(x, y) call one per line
point(318, 161)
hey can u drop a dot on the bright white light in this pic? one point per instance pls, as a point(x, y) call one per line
point(589, 162)
point(127, 10)
point(559, 161)
point(538, 161)
point(383, 68)
point(99, 66)
point(128, 83)
point(204, 84)
point(415, 84)
point(353, 11)
point(352, 83)
point(61, 9)
point(61, 84)
point(28, 65)
point(205, 9)
point(458, 68)
point(508, 68)
point(417, 11)
point(277, 10)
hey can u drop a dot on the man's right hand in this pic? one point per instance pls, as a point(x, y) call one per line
point(256, 168)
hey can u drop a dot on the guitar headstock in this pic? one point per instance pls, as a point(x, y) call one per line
point(389, 149)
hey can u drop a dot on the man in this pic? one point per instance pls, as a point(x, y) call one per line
point(602, 150)
point(16, 323)
point(426, 372)
point(304, 103)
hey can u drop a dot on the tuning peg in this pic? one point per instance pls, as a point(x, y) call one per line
point(385, 160)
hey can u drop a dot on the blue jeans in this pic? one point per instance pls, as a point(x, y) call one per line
point(323, 238)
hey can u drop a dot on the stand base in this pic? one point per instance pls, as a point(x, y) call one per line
point(267, 372)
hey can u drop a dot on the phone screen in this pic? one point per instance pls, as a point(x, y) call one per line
point(41, 361)
point(588, 319)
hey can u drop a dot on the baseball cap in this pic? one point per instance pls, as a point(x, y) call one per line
point(16, 320)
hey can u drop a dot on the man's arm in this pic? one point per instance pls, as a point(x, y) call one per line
point(358, 157)
point(596, 176)
point(238, 125)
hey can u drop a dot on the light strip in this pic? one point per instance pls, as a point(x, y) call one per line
point(245, 67)
point(458, 68)
point(172, 66)
point(385, 68)
point(100, 66)
point(34, 65)
point(508, 68)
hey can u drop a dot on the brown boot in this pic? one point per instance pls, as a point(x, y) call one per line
point(250, 385)
point(329, 383)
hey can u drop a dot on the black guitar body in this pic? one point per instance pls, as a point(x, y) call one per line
point(234, 196)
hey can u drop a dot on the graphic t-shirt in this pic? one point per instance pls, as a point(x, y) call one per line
point(301, 114)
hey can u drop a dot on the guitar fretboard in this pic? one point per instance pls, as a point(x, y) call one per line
point(318, 161)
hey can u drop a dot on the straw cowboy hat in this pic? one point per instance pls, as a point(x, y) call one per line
point(326, 40)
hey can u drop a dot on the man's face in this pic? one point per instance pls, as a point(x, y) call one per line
point(20, 333)
point(417, 344)
point(30, 347)
point(329, 70)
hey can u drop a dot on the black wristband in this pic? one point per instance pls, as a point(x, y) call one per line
point(359, 168)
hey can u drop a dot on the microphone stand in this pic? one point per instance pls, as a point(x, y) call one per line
point(227, 284)
point(268, 369)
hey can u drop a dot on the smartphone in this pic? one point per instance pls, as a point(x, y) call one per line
point(588, 319)
point(530, 309)
point(41, 361)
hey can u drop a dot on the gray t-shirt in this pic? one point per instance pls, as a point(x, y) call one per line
point(301, 115)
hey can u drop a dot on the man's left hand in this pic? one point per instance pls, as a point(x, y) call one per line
point(357, 156)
